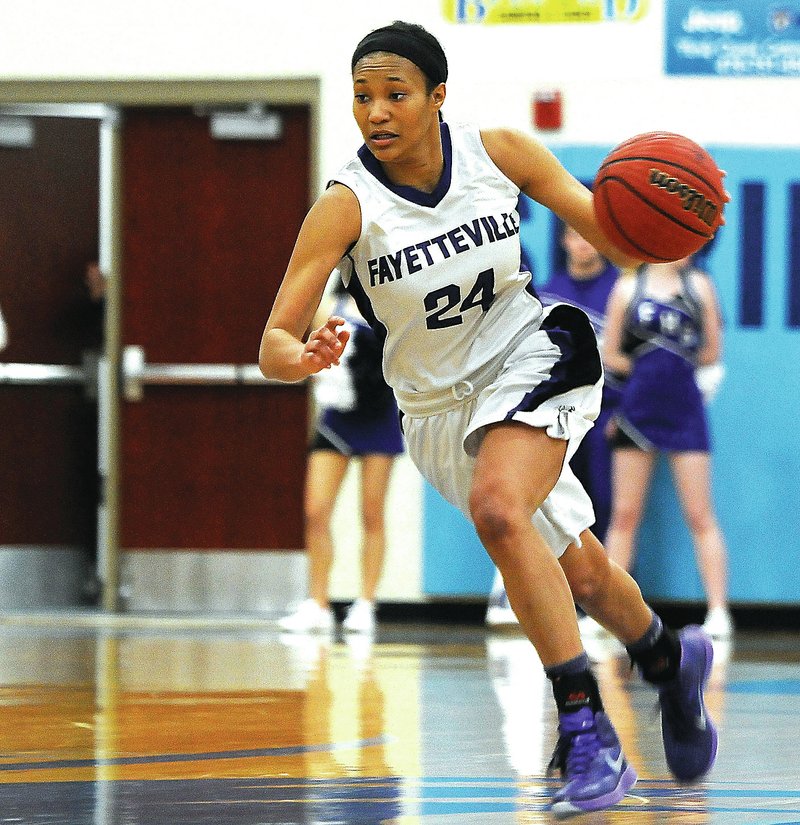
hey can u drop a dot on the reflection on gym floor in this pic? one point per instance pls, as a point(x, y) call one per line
point(147, 723)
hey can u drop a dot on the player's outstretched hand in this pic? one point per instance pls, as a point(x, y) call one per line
point(325, 345)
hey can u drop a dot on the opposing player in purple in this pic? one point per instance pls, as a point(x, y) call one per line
point(494, 389)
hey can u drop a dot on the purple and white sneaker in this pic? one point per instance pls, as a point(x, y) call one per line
point(690, 737)
point(595, 771)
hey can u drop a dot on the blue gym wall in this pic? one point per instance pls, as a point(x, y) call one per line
point(755, 262)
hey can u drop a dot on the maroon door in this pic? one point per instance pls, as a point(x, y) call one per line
point(207, 230)
point(48, 234)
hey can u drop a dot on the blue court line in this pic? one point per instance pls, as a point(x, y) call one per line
point(195, 757)
point(374, 799)
point(708, 809)
point(766, 687)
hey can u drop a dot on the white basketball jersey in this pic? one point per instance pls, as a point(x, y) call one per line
point(439, 274)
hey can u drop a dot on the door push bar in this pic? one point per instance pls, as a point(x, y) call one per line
point(136, 372)
point(49, 375)
point(42, 374)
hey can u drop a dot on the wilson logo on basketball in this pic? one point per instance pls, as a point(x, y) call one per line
point(692, 200)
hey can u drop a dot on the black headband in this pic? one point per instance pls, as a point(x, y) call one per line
point(405, 44)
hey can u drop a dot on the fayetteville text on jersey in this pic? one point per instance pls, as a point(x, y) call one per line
point(460, 239)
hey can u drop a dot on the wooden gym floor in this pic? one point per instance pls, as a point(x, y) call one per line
point(147, 721)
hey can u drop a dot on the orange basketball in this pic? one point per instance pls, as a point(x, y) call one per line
point(659, 196)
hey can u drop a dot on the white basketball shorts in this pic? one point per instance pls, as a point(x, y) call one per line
point(551, 377)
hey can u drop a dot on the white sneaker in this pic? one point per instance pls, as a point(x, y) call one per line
point(499, 615)
point(309, 617)
point(360, 617)
point(718, 623)
point(591, 629)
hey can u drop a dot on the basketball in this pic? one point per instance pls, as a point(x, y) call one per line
point(659, 196)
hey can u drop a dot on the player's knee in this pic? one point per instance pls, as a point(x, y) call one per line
point(317, 516)
point(625, 516)
point(373, 519)
point(494, 518)
point(699, 519)
point(589, 582)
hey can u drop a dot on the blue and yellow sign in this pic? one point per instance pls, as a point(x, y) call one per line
point(732, 38)
point(543, 11)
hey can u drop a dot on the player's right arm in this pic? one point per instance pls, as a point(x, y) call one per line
point(331, 226)
point(614, 359)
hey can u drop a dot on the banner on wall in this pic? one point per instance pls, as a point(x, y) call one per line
point(732, 38)
point(543, 11)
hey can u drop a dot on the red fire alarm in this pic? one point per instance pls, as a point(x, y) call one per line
point(547, 109)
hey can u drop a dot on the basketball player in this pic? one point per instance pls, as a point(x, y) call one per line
point(357, 421)
point(496, 392)
point(663, 324)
